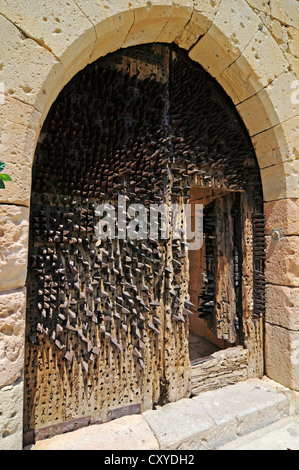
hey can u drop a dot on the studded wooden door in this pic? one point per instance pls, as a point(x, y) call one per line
point(107, 321)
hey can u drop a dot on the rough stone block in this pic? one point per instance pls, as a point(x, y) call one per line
point(149, 22)
point(282, 355)
point(11, 416)
point(14, 228)
point(60, 27)
point(279, 144)
point(12, 333)
point(281, 181)
point(226, 367)
point(181, 425)
point(234, 26)
point(13, 111)
point(260, 63)
point(262, 5)
point(112, 23)
point(201, 19)
point(282, 215)
point(122, 25)
point(286, 11)
point(270, 106)
point(292, 48)
point(282, 306)
point(180, 17)
point(16, 191)
point(286, 36)
point(19, 129)
point(29, 71)
point(282, 263)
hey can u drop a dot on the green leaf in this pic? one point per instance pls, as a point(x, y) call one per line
point(2, 185)
point(2, 166)
point(5, 177)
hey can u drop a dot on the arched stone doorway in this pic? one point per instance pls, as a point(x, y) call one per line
point(237, 44)
point(108, 321)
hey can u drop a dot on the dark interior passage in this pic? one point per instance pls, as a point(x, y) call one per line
point(217, 259)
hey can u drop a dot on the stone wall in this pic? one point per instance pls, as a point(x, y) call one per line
point(249, 46)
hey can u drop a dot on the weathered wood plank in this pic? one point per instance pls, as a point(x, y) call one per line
point(252, 327)
point(225, 302)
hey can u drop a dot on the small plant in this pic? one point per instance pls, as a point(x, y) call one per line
point(3, 177)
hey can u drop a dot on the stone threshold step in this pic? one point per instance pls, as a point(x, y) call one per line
point(282, 435)
point(205, 422)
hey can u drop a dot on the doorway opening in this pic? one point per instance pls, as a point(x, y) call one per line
point(108, 322)
point(215, 274)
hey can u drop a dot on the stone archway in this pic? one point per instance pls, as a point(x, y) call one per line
point(255, 83)
point(43, 51)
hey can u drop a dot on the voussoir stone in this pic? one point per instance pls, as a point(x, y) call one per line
point(279, 144)
point(260, 63)
point(225, 41)
point(202, 17)
point(180, 17)
point(281, 181)
point(149, 21)
point(270, 106)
